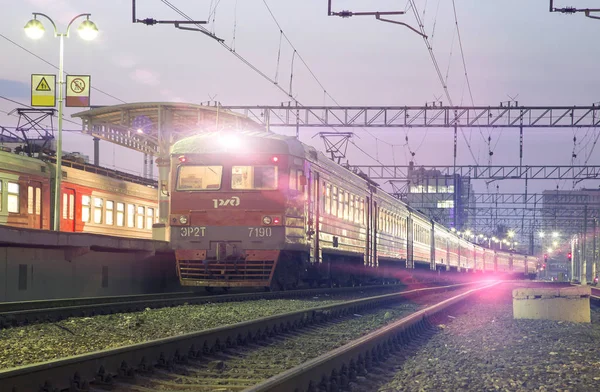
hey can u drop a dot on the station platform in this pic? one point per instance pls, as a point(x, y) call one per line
point(40, 264)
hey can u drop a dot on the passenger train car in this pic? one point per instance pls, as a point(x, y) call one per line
point(261, 209)
point(94, 200)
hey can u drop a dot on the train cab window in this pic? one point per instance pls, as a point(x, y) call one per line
point(140, 217)
point(130, 215)
point(254, 177)
point(71, 205)
point(85, 208)
point(293, 180)
point(362, 211)
point(30, 199)
point(149, 217)
point(110, 211)
point(12, 189)
point(98, 203)
point(199, 178)
point(121, 214)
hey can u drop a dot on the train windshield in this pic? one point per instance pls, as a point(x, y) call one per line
point(199, 178)
point(254, 177)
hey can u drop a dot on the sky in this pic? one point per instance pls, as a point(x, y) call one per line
point(512, 48)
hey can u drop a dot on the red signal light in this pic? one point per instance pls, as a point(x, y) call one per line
point(276, 221)
point(182, 159)
point(275, 159)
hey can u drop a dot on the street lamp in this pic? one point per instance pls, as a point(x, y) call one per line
point(87, 30)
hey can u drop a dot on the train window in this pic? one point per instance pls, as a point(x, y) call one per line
point(30, 200)
point(120, 214)
point(38, 200)
point(98, 210)
point(334, 201)
point(71, 206)
point(65, 205)
point(12, 189)
point(293, 181)
point(346, 205)
point(299, 174)
point(1, 195)
point(130, 215)
point(149, 217)
point(140, 217)
point(341, 205)
point(362, 211)
point(328, 199)
point(254, 177)
point(199, 178)
point(110, 207)
point(85, 208)
point(351, 208)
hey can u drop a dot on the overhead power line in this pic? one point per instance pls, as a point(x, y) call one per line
point(55, 67)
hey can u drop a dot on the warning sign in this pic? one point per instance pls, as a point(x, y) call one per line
point(78, 90)
point(43, 90)
point(43, 86)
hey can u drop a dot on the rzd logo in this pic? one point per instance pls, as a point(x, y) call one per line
point(234, 202)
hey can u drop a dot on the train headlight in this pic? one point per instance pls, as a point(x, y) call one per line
point(267, 220)
point(183, 219)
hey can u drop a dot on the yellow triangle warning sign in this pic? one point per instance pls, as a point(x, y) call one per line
point(43, 86)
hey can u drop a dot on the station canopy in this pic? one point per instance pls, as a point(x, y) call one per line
point(142, 126)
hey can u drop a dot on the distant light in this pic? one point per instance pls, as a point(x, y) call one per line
point(516, 243)
point(511, 233)
point(275, 159)
point(481, 236)
point(485, 238)
point(555, 243)
point(542, 234)
point(468, 232)
point(555, 234)
point(140, 130)
point(452, 229)
point(550, 250)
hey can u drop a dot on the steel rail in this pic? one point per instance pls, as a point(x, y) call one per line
point(11, 315)
point(102, 367)
point(336, 368)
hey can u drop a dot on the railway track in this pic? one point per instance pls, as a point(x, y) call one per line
point(22, 313)
point(122, 365)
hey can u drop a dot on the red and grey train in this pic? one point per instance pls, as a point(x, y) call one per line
point(93, 199)
point(255, 209)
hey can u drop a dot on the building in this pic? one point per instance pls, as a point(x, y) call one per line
point(446, 198)
point(569, 223)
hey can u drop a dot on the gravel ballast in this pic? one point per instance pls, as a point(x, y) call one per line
point(485, 349)
point(79, 335)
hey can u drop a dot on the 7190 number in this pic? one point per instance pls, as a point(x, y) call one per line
point(260, 232)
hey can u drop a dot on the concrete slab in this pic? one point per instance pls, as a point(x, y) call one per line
point(564, 303)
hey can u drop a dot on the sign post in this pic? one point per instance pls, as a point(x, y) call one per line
point(43, 90)
point(78, 91)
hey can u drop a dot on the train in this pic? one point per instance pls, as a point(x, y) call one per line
point(93, 199)
point(259, 209)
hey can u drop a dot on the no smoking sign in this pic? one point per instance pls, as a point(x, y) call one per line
point(78, 91)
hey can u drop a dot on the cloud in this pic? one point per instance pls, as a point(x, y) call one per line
point(125, 61)
point(14, 88)
point(145, 76)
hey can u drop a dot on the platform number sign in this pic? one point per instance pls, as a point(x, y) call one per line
point(78, 90)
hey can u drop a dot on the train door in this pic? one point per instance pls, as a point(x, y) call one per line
point(34, 204)
point(68, 210)
point(409, 243)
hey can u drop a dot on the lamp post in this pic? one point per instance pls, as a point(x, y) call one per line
point(35, 30)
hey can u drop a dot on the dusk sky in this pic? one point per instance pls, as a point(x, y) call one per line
point(513, 47)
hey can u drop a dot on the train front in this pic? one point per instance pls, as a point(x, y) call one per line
point(228, 201)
